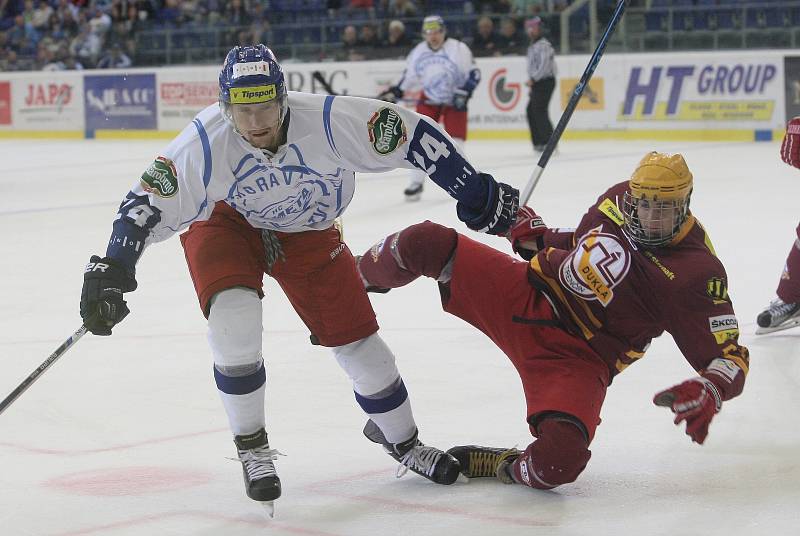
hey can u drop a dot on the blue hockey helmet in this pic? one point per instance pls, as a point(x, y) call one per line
point(251, 75)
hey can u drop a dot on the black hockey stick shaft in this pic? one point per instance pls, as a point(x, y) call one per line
point(61, 350)
point(573, 102)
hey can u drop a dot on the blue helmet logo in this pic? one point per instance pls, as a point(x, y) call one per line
point(251, 74)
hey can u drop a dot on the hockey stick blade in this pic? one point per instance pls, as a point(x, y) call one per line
point(27, 382)
point(320, 79)
point(573, 102)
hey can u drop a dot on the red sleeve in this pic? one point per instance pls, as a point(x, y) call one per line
point(559, 238)
point(705, 328)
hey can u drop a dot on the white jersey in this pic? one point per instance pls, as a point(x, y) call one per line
point(305, 185)
point(438, 72)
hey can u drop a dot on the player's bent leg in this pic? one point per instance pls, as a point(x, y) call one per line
point(381, 393)
point(422, 249)
point(557, 457)
point(234, 334)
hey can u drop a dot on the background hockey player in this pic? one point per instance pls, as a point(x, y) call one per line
point(582, 310)
point(260, 177)
point(446, 71)
point(784, 311)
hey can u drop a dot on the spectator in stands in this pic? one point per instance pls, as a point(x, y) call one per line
point(115, 58)
point(14, 63)
point(86, 46)
point(350, 50)
point(485, 41)
point(368, 38)
point(511, 40)
point(397, 43)
point(492, 6)
point(527, 8)
point(365, 6)
point(402, 8)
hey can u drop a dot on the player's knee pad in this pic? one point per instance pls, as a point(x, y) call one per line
point(234, 330)
point(557, 457)
point(369, 363)
point(426, 248)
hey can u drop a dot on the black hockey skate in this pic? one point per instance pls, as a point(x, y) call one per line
point(413, 192)
point(480, 462)
point(778, 316)
point(430, 462)
point(261, 482)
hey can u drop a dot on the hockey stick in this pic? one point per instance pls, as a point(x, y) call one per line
point(573, 102)
point(320, 78)
point(61, 350)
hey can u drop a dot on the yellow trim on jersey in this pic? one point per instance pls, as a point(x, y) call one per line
point(610, 209)
point(740, 362)
point(563, 299)
point(590, 276)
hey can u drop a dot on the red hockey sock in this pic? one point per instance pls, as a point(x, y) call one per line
point(789, 286)
point(422, 249)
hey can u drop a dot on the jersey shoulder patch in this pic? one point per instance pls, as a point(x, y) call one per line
point(161, 178)
point(386, 131)
point(610, 209)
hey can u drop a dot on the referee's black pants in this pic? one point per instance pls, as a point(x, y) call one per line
point(538, 118)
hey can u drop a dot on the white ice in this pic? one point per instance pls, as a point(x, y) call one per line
point(125, 435)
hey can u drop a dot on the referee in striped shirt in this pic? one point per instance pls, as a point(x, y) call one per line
point(541, 80)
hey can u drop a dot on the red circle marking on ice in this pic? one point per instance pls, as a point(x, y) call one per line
point(127, 481)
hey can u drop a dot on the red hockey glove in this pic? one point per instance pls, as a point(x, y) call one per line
point(695, 401)
point(526, 233)
point(790, 148)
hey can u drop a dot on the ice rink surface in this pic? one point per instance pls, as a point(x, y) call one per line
point(126, 435)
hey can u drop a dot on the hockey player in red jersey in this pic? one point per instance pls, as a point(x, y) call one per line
point(584, 308)
point(784, 311)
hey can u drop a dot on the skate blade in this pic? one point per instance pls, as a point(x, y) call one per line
point(412, 198)
point(269, 508)
point(786, 325)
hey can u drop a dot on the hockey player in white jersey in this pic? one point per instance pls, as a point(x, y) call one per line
point(259, 179)
point(445, 70)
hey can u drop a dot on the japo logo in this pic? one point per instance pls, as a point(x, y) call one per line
point(386, 131)
point(161, 178)
point(504, 96)
point(598, 263)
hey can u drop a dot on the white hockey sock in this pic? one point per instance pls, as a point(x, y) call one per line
point(378, 387)
point(234, 334)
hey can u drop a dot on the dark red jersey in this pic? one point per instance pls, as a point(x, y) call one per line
point(619, 295)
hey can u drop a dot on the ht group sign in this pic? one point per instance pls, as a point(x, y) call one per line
point(705, 92)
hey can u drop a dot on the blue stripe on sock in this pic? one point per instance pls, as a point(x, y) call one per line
point(383, 405)
point(240, 385)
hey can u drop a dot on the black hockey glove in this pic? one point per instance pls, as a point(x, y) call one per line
point(498, 213)
point(460, 99)
point(393, 94)
point(102, 306)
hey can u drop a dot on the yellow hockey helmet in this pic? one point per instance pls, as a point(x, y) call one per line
point(656, 204)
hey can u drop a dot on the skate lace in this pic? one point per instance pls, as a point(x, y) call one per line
point(482, 463)
point(780, 310)
point(421, 459)
point(258, 461)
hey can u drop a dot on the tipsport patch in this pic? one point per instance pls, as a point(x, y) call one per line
point(252, 95)
point(386, 130)
point(161, 178)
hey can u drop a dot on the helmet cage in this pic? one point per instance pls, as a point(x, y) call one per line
point(653, 222)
